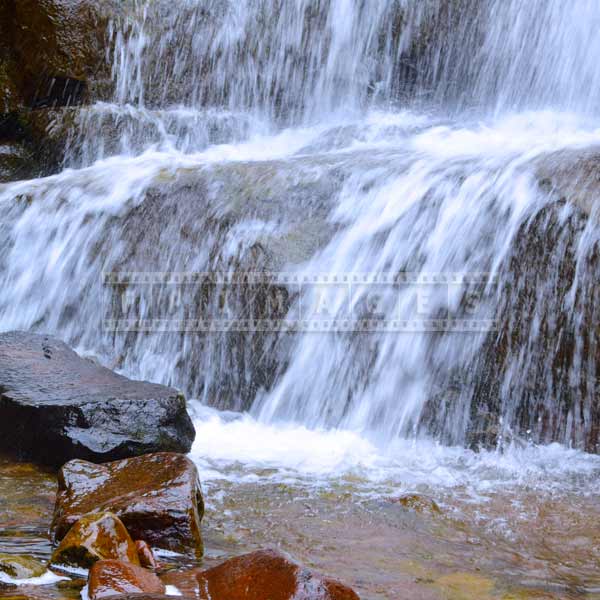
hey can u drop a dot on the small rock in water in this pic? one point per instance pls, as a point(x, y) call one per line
point(71, 584)
point(95, 537)
point(56, 406)
point(165, 596)
point(268, 574)
point(112, 577)
point(417, 502)
point(21, 567)
point(157, 497)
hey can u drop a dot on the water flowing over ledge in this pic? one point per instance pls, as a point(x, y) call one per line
point(427, 167)
point(336, 137)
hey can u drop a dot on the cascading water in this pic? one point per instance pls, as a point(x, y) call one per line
point(341, 137)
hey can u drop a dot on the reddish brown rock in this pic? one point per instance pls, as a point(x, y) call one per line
point(95, 537)
point(112, 577)
point(58, 45)
point(267, 574)
point(145, 554)
point(150, 597)
point(157, 496)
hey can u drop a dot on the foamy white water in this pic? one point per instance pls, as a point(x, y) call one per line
point(240, 449)
point(48, 578)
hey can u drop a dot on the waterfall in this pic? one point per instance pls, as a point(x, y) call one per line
point(429, 163)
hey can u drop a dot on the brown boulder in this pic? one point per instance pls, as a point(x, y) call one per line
point(268, 574)
point(157, 496)
point(58, 45)
point(146, 555)
point(149, 597)
point(112, 577)
point(95, 537)
point(53, 53)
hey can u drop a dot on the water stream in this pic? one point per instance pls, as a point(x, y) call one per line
point(426, 166)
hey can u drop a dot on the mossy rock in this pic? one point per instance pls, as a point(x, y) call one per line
point(21, 567)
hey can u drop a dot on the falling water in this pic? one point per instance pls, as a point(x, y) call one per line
point(338, 137)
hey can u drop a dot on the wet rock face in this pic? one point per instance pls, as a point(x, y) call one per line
point(156, 496)
point(56, 406)
point(138, 596)
point(540, 374)
point(15, 162)
point(52, 54)
point(21, 567)
point(95, 537)
point(535, 379)
point(145, 554)
point(57, 46)
point(268, 574)
point(111, 577)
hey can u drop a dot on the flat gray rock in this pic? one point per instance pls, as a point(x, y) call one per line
point(56, 406)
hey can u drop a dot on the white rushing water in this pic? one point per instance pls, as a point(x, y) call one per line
point(338, 137)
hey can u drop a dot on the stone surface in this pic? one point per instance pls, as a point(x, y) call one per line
point(95, 537)
point(534, 379)
point(52, 54)
point(21, 567)
point(56, 406)
point(268, 574)
point(111, 577)
point(137, 596)
point(417, 502)
point(57, 46)
point(145, 554)
point(157, 496)
point(15, 162)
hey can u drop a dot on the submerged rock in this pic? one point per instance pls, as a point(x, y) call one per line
point(137, 596)
point(95, 537)
point(21, 567)
point(56, 406)
point(113, 577)
point(417, 502)
point(268, 574)
point(157, 496)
